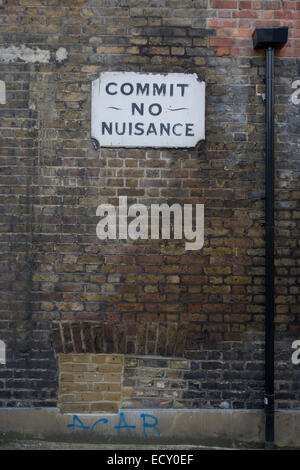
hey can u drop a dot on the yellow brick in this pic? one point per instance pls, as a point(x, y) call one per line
point(217, 289)
point(91, 297)
point(88, 396)
point(66, 398)
point(105, 387)
point(117, 359)
point(131, 362)
point(215, 270)
point(177, 50)
point(66, 367)
point(110, 396)
point(173, 374)
point(74, 12)
point(99, 359)
point(238, 280)
point(33, 2)
point(81, 358)
point(108, 364)
point(90, 69)
point(107, 268)
point(86, 12)
point(65, 358)
point(179, 364)
point(133, 50)
point(73, 387)
point(159, 50)
point(104, 406)
point(71, 96)
point(127, 392)
point(56, 12)
point(110, 50)
point(69, 307)
point(105, 368)
point(75, 407)
point(88, 377)
point(111, 377)
point(66, 377)
point(199, 60)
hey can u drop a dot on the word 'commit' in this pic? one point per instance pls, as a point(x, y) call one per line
point(140, 89)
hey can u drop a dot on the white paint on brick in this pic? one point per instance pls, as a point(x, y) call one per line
point(61, 54)
point(15, 53)
point(30, 55)
point(224, 404)
point(2, 92)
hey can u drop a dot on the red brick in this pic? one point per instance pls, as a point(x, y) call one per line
point(223, 4)
point(245, 5)
point(267, 15)
point(242, 33)
point(223, 42)
point(289, 5)
point(245, 14)
point(283, 15)
point(221, 51)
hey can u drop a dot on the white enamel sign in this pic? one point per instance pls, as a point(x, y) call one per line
point(148, 110)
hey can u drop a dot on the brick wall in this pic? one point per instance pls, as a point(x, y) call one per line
point(64, 291)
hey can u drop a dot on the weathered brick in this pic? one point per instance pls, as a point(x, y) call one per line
point(151, 297)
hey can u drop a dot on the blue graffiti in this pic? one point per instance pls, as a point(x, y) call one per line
point(125, 425)
point(148, 422)
point(80, 425)
point(150, 425)
point(102, 420)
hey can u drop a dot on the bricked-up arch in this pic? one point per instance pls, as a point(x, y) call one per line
point(147, 338)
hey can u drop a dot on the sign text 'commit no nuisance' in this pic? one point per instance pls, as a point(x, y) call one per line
point(148, 110)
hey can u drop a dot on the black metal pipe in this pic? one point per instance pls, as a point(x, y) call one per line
point(269, 256)
point(269, 38)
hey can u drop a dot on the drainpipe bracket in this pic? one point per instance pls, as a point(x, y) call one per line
point(269, 402)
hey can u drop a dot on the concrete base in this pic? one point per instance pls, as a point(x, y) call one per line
point(184, 426)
